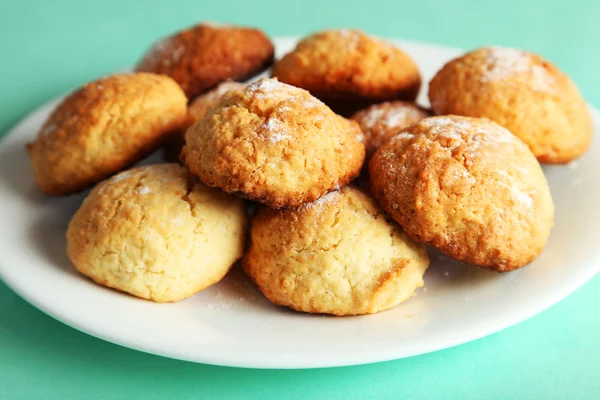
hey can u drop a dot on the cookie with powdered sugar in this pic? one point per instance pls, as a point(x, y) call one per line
point(521, 91)
point(468, 187)
point(350, 70)
point(157, 233)
point(339, 255)
point(201, 57)
point(275, 144)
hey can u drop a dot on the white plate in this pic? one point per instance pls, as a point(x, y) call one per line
point(232, 324)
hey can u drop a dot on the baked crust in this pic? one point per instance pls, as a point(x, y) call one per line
point(340, 255)
point(468, 187)
point(104, 127)
point(201, 57)
point(157, 233)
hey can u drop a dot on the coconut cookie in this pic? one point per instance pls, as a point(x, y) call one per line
point(104, 127)
point(196, 111)
point(340, 255)
point(201, 57)
point(157, 233)
point(275, 144)
point(468, 187)
point(380, 122)
point(521, 91)
point(349, 70)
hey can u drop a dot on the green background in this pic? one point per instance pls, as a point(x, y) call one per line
point(47, 48)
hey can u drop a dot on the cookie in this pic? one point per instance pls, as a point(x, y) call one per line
point(201, 104)
point(468, 187)
point(104, 127)
point(380, 122)
point(274, 144)
point(201, 57)
point(196, 111)
point(349, 70)
point(340, 255)
point(157, 233)
point(521, 91)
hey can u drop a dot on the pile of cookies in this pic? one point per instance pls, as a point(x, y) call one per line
point(463, 177)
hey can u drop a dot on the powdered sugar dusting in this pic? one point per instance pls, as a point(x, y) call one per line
point(144, 190)
point(269, 86)
point(505, 63)
point(286, 96)
point(397, 116)
point(115, 179)
point(373, 117)
point(274, 130)
point(121, 176)
point(390, 118)
point(349, 38)
point(278, 100)
point(323, 200)
point(460, 175)
point(162, 52)
point(273, 90)
point(223, 302)
point(523, 198)
point(453, 128)
point(448, 127)
point(403, 135)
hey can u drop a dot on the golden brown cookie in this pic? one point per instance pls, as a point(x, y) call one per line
point(468, 187)
point(104, 127)
point(202, 103)
point(196, 111)
point(349, 70)
point(521, 91)
point(380, 122)
point(275, 144)
point(340, 255)
point(201, 57)
point(157, 233)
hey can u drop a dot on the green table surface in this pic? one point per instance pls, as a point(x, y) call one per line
point(48, 48)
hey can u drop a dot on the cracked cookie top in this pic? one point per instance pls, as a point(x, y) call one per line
point(157, 233)
point(201, 57)
point(275, 144)
point(468, 187)
point(339, 255)
point(104, 127)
